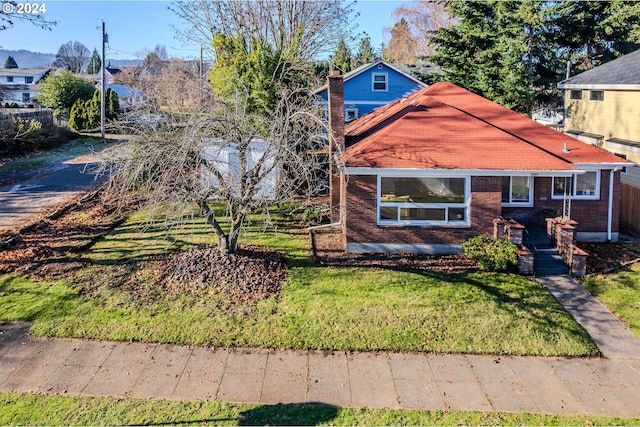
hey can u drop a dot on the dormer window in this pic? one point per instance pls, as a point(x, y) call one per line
point(379, 81)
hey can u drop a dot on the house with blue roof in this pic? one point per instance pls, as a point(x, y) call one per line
point(371, 86)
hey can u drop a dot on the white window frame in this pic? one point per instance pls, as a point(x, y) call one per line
point(574, 181)
point(373, 82)
point(591, 92)
point(9, 79)
point(446, 206)
point(521, 204)
point(348, 110)
point(575, 91)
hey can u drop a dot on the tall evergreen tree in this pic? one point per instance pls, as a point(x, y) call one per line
point(515, 53)
point(95, 63)
point(365, 53)
point(10, 62)
point(593, 32)
point(342, 57)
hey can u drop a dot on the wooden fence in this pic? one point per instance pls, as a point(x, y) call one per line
point(630, 208)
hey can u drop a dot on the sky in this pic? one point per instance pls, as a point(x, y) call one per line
point(136, 27)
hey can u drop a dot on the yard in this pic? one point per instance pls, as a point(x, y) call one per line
point(117, 289)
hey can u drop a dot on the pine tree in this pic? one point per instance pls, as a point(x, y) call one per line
point(95, 63)
point(342, 57)
point(365, 53)
point(484, 52)
point(10, 62)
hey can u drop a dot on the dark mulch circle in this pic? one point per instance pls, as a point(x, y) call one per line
point(249, 275)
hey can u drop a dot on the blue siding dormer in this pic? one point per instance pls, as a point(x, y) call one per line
point(371, 86)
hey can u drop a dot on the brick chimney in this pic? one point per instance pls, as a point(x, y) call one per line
point(335, 95)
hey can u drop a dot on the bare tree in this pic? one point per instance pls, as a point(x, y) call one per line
point(402, 47)
point(73, 56)
point(304, 28)
point(424, 16)
point(216, 157)
point(13, 11)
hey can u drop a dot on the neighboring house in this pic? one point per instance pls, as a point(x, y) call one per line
point(603, 109)
point(371, 86)
point(20, 85)
point(423, 173)
point(549, 117)
point(128, 96)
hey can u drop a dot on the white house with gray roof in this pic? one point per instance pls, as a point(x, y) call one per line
point(20, 85)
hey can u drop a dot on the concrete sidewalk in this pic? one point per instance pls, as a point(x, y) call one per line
point(384, 380)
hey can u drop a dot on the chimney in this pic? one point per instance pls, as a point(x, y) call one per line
point(335, 95)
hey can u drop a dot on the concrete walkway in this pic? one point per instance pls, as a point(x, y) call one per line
point(612, 337)
point(385, 380)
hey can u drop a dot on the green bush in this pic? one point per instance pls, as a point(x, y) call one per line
point(490, 253)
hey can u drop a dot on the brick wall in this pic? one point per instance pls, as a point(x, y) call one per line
point(361, 215)
point(591, 214)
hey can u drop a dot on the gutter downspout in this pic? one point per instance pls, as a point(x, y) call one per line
point(610, 205)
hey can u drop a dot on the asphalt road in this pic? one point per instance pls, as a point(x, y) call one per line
point(22, 201)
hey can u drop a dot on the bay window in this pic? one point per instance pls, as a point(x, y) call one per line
point(423, 201)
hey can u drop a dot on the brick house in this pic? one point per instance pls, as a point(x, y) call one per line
point(423, 173)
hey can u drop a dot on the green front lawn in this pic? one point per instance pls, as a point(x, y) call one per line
point(620, 292)
point(319, 308)
point(31, 409)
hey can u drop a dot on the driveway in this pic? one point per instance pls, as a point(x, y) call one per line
point(59, 182)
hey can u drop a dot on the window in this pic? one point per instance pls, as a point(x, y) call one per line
point(583, 186)
point(423, 201)
point(516, 190)
point(28, 80)
point(9, 79)
point(26, 97)
point(575, 95)
point(350, 114)
point(596, 95)
point(622, 156)
point(379, 82)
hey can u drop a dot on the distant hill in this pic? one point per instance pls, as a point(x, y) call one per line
point(28, 59)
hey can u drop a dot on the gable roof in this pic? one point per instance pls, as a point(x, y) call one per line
point(621, 73)
point(447, 127)
point(366, 67)
point(23, 72)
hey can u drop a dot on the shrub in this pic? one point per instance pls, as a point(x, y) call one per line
point(312, 215)
point(490, 253)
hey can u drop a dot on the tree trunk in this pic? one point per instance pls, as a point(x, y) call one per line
point(223, 239)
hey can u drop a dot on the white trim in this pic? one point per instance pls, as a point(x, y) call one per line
point(373, 82)
point(622, 147)
point(424, 205)
point(573, 196)
point(456, 173)
point(431, 249)
point(528, 204)
point(598, 86)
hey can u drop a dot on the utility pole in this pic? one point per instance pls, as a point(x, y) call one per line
point(103, 84)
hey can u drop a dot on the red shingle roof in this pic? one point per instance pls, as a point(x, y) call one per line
point(447, 127)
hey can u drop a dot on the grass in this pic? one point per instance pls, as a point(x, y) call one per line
point(620, 292)
point(359, 309)
point(32, 409)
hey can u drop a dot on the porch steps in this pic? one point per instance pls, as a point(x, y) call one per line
point(548, 260)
